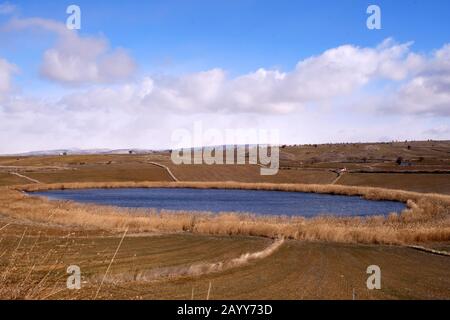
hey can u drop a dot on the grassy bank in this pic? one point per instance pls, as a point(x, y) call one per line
point(366, 192)
point(427, 218)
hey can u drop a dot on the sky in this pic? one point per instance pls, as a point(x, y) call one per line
point(139, 72)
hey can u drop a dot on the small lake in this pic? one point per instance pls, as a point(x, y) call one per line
point(226, 200)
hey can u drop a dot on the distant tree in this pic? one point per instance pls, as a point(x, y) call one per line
point(399, 160)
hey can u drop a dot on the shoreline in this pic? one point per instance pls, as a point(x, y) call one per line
point(426, 218)
point(369, 193)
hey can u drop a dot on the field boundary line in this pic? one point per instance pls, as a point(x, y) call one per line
point(25, 177)
point(429, 250)
point(201, 269)
point(337, 178)
point(167, 169)
point(5, 226)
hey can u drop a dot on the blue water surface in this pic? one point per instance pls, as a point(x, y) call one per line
point(226, 200)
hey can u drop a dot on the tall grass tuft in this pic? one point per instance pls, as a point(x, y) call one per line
point(426, 219)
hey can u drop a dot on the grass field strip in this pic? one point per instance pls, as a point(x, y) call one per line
point(196, 269)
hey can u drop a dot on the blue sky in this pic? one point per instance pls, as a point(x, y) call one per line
point(170, 39)
point(241, 35)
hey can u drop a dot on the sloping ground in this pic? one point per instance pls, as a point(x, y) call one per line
point(104, 173)
point(70, 160)
point(34, 257)
point(247, 173)
point(439, 183)
point(418, 152)
point(298, 164)
point(34, 260)
point(304, 270)
point(7, 179)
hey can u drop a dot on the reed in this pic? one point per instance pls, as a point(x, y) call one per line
point(426, 218)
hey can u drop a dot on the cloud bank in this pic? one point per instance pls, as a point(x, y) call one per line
point(7, 8)
point(347, 93)
point(77, 60)
point(7, 70)
point(418, 84)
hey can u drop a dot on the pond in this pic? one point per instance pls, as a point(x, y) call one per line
point(228, 200)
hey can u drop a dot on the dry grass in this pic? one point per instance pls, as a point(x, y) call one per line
point(246, 173)
point(9, 179)
point(103, 173)
point(194, 270)
point(25, 274)
point(374, 165)
point(427, 218)
point(34, 259)
point(405, 181)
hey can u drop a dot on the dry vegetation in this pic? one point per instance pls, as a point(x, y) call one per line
point(427, 218)
point(39, 238)
point(34, 258)
point(148, 267)
point(415, 182)
point(425, 167)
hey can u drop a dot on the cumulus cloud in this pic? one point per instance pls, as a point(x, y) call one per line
point(428, 92)
point(7, 8)
point(311, 103)
point(77, 60)
point(6, 71)
point(336, 73)
point(438, 131)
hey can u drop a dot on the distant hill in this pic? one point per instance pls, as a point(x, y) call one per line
point(83, 152)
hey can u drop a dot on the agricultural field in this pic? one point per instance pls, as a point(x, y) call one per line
point(297, 270)
point(424, 167)
point(128, 256)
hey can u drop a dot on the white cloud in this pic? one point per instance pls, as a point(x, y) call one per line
point(427, 92)
point(77, 60)
point(336, 73)
point(7, 8)
point(311, 103)
point(6, 71)
point(438, 131)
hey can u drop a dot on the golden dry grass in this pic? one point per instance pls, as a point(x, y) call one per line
point(370, 164)
point(246, 173)
point(9, 179)
point(406, 181)
point(427, 218)
point(33, 266)
point(34, 259)
point(297, 270)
